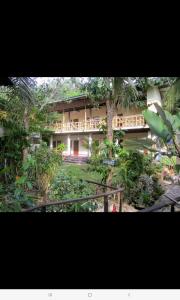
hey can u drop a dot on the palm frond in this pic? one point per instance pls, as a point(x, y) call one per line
point(125, 92)
point(23, 86)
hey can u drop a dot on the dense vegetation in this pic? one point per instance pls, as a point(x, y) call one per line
point(31, 175)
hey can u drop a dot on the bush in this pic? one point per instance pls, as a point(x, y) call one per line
point(13, 198)
point(68, 187)
point(150, 167)
point(96, 165)
point(40, 168)
point(129, 169)
point(137, 173)
point(10, 207)
point(145, 192)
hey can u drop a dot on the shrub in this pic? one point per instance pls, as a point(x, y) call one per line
point(68, 187)
point(129, 169)
point(150, 167)
point(43, 163)
point(137, 173)
point(145, 192)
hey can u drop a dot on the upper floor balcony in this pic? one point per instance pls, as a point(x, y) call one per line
point(124, 123)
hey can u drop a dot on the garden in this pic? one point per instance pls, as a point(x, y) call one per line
point(38, 176)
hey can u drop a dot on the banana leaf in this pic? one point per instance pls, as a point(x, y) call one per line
point(139, 144)
point(166, 117)
point(157, 125)
point(177, 121)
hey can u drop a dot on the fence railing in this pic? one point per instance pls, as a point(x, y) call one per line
point(43, 207)
point(170, 198)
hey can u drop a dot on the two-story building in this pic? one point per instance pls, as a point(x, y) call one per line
point(80, 122)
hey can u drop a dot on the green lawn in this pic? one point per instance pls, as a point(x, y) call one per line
point(81, 172)
point(68, 185)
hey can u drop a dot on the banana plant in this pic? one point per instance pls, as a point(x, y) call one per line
point(139, 144)
point(164, 125)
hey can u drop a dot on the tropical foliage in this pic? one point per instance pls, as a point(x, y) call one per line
point(31, 175)
point(164, 125)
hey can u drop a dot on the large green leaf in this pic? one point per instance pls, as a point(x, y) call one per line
point(139, 144)
point(174, 120)
point(177, 121)
point(172, 96)
point(157, 125)
point(170, 118)
point(166, 117)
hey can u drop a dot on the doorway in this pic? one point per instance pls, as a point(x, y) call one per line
point(76, 147)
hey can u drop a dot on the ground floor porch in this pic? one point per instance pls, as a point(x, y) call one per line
point(80, 145)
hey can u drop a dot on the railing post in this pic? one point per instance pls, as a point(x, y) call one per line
point(172, 208)
point(105, 203)
point(120, 201)
point(43, 209)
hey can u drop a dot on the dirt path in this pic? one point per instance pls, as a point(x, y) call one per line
point(125, 207)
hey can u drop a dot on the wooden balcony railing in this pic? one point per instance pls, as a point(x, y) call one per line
point(135, 121)
point(91, 125)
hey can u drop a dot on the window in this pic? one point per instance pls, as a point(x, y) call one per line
point(56, 143)
point(96, 118)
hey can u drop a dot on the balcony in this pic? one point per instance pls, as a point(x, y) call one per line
point(129, 122)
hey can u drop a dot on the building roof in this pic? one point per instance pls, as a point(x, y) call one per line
point(73, 103)
point(69, 99)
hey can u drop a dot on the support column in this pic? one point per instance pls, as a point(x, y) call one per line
point(90, 113)
point(68, 145)
point(149, 134)
point(90, 144)
point(85, 118)
point(51, 142)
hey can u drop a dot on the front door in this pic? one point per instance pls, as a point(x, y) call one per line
point(76, 148)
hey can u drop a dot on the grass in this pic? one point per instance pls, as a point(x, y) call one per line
point(70, 186)
point(81, 172)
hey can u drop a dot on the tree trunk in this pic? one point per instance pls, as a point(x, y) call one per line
point(110, 114)
point(45, 197)
point(176, 146)
point(26, 126)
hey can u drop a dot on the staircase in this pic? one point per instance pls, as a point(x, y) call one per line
point(76, 159)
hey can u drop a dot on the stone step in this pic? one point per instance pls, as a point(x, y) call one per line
point(75, 159)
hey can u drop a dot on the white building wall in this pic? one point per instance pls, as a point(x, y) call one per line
point(136, 135)
point(98, 112)
point(153, 96)
point(68, 140)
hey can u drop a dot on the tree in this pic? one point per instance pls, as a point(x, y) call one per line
point(116, 91)
point(62, 88)
point(22, 113)
point(23, 88)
